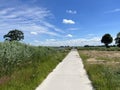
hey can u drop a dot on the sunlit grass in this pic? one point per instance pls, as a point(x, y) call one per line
point(28, 70)
point(104, 76)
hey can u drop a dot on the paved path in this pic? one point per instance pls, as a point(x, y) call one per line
point(68, 75)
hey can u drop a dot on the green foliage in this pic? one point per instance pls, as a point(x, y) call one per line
point(107, 39)
point(117, 39)
point(24, 66)
point(103, 76)
point(14, 35)
point(13, 54)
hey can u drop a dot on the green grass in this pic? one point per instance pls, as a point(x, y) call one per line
point(103, 76)
point(27, 70)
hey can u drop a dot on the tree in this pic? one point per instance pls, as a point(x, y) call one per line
point(14, 35)
point(117, 39)
point(107, 39)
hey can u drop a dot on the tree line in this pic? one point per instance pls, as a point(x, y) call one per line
point(108, 39)
point(17, 35)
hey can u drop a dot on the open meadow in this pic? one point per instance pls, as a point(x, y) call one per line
point(103, 68)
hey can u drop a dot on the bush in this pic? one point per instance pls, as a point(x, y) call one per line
point(13, 54)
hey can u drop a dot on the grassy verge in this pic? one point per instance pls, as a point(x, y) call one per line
point(27, 71)
point(103, 68)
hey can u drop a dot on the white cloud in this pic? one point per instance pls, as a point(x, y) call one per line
point(68, 21)
point(5, 11)
point(69, 35)
point(36, 41)
point(71, 11)
point(38, 29)
point(53, 27)
point(117, 10)
point(34, 33)
point(50, 40)
point(73, 29)
point(30, 20)
point(71, 42)
point(91, 34)
point(113, 11)
point(25, 13)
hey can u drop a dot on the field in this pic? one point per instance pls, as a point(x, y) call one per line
point(24, 67)
point(99, 48)
point(103, 68)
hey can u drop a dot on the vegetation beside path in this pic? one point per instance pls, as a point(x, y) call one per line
point(24, 67)
point(103, 68)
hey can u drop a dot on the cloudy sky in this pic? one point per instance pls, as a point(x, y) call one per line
point(60, 22)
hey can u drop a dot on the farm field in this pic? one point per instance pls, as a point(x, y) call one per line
point(24, 67)
point(103, 68)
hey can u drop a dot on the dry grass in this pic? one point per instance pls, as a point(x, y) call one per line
point(102, 56)
point(103, 68)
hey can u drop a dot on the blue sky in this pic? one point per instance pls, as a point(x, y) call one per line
point(60, 22)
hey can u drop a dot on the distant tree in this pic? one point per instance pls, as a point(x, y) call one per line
point(14, 35)
point(117, 40)
point(86, 46)
point(107, 39)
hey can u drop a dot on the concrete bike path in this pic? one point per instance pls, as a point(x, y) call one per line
point(68, 75)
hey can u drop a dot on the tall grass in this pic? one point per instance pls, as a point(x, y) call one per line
point(13, 54)
point(24, 67)
point(103, 76)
